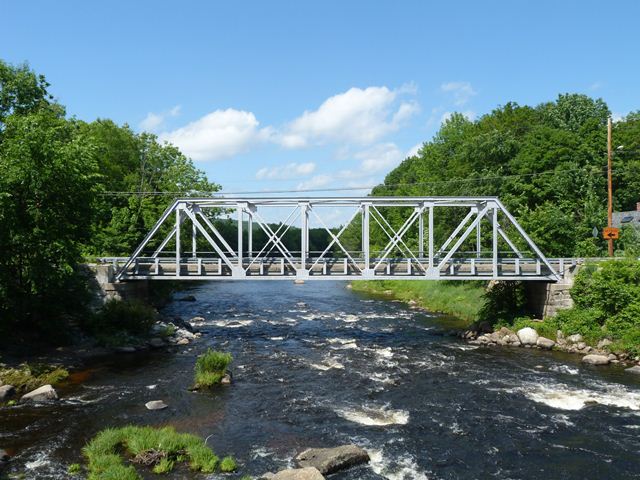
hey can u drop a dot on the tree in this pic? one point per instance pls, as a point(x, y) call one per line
point(46, 196)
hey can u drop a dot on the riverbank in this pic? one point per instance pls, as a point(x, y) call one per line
point(459, 299)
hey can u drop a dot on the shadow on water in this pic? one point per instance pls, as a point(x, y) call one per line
point(319, 365)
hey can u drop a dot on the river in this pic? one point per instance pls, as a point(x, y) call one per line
point(319, 365)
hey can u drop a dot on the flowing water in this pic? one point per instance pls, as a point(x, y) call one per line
point(319, 365)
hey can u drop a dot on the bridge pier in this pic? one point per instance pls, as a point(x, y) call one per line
point(545, 299)
point(105, 287)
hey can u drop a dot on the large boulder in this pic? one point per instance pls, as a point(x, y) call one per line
point(331, 460)
point(42, 394)
point(6, 392)
point(545, 343)
point(575, 338)
point(593, 359)
point(309, 473)
point(527, 336)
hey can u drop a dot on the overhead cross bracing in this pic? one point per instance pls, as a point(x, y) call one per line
point(432, 238)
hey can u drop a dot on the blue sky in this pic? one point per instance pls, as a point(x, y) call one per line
point(311, 95)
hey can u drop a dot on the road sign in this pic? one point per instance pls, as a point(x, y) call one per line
point(610, 233)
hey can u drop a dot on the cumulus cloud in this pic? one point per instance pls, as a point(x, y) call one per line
point(217, 135)
point(461, 91)
point(315, 182)
point(358, 115)
point(381, 157)
point(153, 121)
point(286, 172)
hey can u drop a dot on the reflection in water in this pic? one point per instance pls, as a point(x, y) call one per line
point(319, 365)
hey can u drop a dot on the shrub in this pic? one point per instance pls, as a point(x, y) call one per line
point(33, 375)
point(585, 321)
point(503, 302)
point(129, 316)
point(211, 366)
point(164, 446)
point(228, 464)
point(625, 321)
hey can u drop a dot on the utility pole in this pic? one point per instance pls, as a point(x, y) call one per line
point(610, 206)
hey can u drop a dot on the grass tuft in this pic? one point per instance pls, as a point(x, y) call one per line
point(160, 448)
point(228, 464)
point(211, 366)
point(31, 376)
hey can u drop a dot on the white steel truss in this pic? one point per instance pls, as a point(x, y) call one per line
point(499, 250)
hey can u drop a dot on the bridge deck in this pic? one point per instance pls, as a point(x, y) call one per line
point(275, 268)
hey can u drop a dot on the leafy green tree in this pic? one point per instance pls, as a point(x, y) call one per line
point(46, 194)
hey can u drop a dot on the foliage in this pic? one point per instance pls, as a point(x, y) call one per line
point(74, 469)
point(123, 316)
point(30, 376)
point(461, 299)
point(167, 447)
point(546, 163)
point(502, 302)
point(228, 464)
point(211, 366)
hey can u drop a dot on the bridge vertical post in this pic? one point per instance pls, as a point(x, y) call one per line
point(478, 238)
point(250, 234)
point(239, 208)
point(430, 237)
point(194, 246)
point(178, 222)
point(421, 235)
point(366, 245)
point(304, 232)
point(495, 240)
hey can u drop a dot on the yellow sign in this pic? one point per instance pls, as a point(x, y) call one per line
point(611, 233)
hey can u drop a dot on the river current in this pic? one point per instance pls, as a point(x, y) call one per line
point(318, 365)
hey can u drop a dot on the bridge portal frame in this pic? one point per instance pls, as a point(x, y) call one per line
point(443, 262)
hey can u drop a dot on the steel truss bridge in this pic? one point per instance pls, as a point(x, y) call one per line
point(485, 241)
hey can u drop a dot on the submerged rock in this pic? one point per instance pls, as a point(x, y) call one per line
point(635, 369)
point(309, 473)
point(595, 359)
point(4, 457)
point(156, 342)
point(6, 392)
point(331, 460)
point(187, 298)
point(527, 336)
point(42, 394)
point(545, 343)
point(156, 405)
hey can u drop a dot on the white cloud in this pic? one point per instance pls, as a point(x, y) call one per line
point(468, 114)
point(153, 121)
point(413, 151)
point(358, 115)
point(315, 182)
point(381, 157)
point(462, 91)
point(219, 134)
point(595, 86)
point(286, 172)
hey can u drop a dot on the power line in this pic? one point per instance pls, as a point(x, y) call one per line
point(341, 189)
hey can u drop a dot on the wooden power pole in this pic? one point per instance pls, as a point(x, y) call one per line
point(609, 188)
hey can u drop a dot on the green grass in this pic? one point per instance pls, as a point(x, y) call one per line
point(211, 366)
point(31, 376)
point(460, 299)
point(107, 451)
point(228, 464)
point(74, 469)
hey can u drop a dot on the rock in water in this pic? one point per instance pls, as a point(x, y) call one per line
point(309, 473)
point(187, 298)
point(4, 456)
point(596, 359)
point(156, 342)
point(528, 336)
point(545, 343)
point(42, 394)
point(635, 369)
point(331, 460)
point(155, 405)
point(6, 392)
